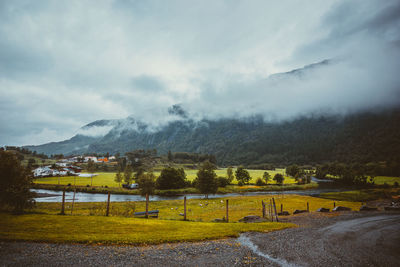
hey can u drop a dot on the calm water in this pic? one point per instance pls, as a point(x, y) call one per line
point(86, 197)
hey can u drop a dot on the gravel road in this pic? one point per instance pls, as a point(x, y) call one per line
point(352, 239)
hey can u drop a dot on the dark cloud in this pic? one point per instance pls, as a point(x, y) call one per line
point(66, 64)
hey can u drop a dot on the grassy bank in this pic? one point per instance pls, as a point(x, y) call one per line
point(362, 194)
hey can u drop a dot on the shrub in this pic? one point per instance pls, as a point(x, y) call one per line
point(14, 183)
point(242, 175)
point(222, 181)
point(260, 182)
point(171, 178)
point(278, 178)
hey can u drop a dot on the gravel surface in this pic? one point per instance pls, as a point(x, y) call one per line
point(352, 239)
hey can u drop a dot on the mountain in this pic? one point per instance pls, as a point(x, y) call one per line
point(357, 137)
point(360, 137)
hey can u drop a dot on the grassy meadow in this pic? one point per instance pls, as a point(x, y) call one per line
point(87, 224)
point(119, 230)
point(107, 178)
point(201, 210)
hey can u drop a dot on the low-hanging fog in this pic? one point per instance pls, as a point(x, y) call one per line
point(64, 64)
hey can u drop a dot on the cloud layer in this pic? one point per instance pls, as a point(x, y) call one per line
point(65, 64)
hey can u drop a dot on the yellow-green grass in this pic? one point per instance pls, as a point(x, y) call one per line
point(107, 178)
point(102, 179)
point(199, 209)
point(379, 180)
point(363, 194)
point(386, 179)
point(119, 230)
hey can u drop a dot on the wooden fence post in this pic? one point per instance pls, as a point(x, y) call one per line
point(184, 208)
point(73, 201)
point(227, 210)
point(270, 210)
point(263, 208)
point(281, 207)
point(308, 207)
point(276, 214)
point(147, 206)
point(108, 204)
point(63, 203)
point(334, 204)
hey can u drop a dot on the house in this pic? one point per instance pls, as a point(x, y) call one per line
point(45, 171)
point(94, 159)
point(103, 159)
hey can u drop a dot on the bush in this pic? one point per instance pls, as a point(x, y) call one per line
point(15, 183)
point(396, 184)
point(240, 183)
point(278, 178)
point(260, 182)
point(171, 178)
point(242, 175)
point(222, 181)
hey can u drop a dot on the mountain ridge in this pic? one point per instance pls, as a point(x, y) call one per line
point(357, 137)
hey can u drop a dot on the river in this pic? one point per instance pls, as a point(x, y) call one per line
point(56, 196)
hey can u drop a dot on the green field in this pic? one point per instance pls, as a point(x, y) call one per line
point(107, 178)
point(199, 209)
point(119, 230)
point(89, 225)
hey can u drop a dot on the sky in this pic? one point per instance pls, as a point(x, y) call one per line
point(64, 64)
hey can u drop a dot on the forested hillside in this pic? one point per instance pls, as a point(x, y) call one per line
point(362, 137)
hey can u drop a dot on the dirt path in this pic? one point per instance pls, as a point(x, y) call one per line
point(348, 240)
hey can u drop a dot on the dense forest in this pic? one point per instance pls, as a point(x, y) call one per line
point(361, 137)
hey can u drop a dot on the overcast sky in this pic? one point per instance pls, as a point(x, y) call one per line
point(64, 64)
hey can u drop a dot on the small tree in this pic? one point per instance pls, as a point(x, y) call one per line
point(278, 178)
point(91, 167)
point(207, 179)
point(128, 174)
point(118, 177)
point(229, 173)
point(293, 170)
point(260, 182)
point(147, 185)
point(15, 181)
point(266, 177)
point(242, 175)
point(171, 178)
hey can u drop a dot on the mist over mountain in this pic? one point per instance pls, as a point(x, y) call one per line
point(358, 137)
point(360, 134)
